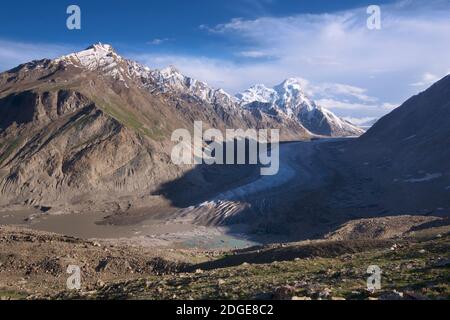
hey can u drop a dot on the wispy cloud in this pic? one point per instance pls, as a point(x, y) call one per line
point(334, 104)
point(355, 71)
point(334, 89)
point(360, 121)
point(427, 79)
point(252, 7)
point(254, 54)
point(341, 44)
point(158, 41)
point(14, 53)
point(410, 50)
point(390, 106)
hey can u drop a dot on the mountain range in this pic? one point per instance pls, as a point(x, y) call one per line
point(93, 121)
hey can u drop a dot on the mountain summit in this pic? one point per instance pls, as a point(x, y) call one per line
point(288, 99)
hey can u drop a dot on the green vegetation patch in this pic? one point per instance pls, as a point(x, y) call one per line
point(11, 146)
point(12, 295)
point(129, 119)
point(411, 270)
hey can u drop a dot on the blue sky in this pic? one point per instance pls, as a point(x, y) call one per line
point(356, 72)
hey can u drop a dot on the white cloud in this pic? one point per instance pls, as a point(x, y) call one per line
point(353, 69)
point(360, 121)
point(157, 41)
point(333, 89)
point(15, 53)
point(339, 48)
point(341, 44)
point(426, 80)
point(253, 54)
point(334, 104)
point(390, 106)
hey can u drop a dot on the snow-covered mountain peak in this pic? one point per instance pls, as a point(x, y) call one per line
point(96, 56)
point(102, 57)
point(286, 96)
point(292, 97)
point(290, 84)
point(170, 79)
point(289, 99)
point(101, 47)
point(258, 93)
point(260, 88)
point(170, 71)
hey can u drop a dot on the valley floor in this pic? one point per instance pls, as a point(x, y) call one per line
point(211, 207)
point(214, 229)
point(319, 187)
point(414, 264)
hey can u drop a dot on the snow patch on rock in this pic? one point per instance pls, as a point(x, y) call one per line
point(427, 177)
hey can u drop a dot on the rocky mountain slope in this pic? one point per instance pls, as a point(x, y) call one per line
point(400, 166)
point(419, 129)
point(94, 122)
point(406, 153)
point(34, 261)
point(288, 100)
